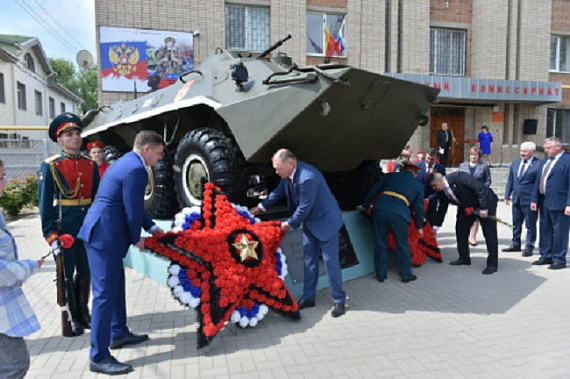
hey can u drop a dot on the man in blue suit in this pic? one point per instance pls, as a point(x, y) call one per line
point(311, 202)
point(551, 196)
point(394, 196)
point(520, 184)
point(112, 224)
point(430, 166)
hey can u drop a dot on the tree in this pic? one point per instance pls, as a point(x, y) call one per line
point(82, 83)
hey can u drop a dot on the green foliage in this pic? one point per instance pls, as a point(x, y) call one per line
point(82, 83)
point(19, 193)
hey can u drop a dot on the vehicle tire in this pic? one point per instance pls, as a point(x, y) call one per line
point(207, 155)
point(350, 187)
point(111, 153)
point(159, 196)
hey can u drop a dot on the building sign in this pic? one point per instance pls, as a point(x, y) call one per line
point(143, 59)
point(488, 90)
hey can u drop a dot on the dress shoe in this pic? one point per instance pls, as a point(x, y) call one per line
point(542, 262)
point(110, 366)
point(338, 310)
point(489, 270)
point(381, 278)
point(410, 278)
point(557, 266)
point(128, 339)
point(460, 262)
point(512, 248)
point(304, 303)
point(473, 243)
point(527, 252)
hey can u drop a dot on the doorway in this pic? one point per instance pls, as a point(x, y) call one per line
point(455, 118)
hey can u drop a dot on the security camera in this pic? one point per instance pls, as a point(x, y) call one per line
point(196, 33)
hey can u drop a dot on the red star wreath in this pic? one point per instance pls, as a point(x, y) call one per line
point(225, 263)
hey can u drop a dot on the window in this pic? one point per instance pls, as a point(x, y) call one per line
point(2, 93)
point(559, 57)
point(21, 96)
point(247, 28)
point(448, 51)
point(30, 62)
point(51, 107)
point(62, 107)
point(558, 124)
point(325, 34)
point(39, 105)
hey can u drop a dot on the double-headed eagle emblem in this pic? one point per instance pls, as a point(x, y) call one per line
point(124, 59)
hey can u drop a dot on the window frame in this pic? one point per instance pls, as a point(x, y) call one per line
point(2, 89)
point(248, 44)
point(436, 51)
point(61, 107)
point(556, 128)
point(557, 39)
point(30, 64)
point(21, 92)
point(332, 29)
point(51, 105)
point(38, 99)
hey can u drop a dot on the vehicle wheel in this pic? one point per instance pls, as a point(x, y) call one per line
point(159, 195)
point(351, 187)
point(207, 155)
point(111, 153)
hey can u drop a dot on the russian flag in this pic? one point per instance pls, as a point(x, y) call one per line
point(126, 59)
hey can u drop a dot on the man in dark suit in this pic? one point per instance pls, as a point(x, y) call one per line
point(431, 165)
point(392, 197)
point(112, 224)
point(461, 189)
point(311, 203)
point(444, 142)
point(522, 175)
point(551, 197)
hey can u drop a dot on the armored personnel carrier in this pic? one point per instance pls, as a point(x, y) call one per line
point(223, 121)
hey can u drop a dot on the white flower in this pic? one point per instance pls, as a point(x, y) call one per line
point(177, 291)
point(194, 302)
point(174, 269)
point(173, 281)
point(235, 317)
point(253, 322)
point(186, 297)
point(263, 309)
point(244, 322)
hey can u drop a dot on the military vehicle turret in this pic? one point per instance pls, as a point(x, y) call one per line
point(223, 122)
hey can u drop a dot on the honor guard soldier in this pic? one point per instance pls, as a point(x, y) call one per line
point(67, 185)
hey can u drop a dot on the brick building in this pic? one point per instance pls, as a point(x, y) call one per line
point(500, 63)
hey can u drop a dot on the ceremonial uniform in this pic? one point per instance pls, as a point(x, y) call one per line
point(70, 181)
point(393, 196)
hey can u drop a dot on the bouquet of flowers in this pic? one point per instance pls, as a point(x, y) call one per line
point(472, 211)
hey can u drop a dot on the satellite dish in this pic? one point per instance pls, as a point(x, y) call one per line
point(84, 59)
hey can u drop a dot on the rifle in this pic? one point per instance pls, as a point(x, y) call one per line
point(61, 281)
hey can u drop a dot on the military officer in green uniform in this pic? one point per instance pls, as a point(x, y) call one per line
point(394, 197)
point(69, 180)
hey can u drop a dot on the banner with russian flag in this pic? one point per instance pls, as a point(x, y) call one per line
point(143, 59)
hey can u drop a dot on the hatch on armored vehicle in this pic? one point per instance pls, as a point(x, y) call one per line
point(223, 122)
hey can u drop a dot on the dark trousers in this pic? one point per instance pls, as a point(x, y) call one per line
point(109, 312)
point(462, 230)
point(383, 223)
point(554, 228)
point(522, 213)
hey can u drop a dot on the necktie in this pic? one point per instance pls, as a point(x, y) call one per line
point(290, 182)
point(521, 171)
point(450, 195)
point(544, 175)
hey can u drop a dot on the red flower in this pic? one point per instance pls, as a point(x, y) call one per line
point(66, 240)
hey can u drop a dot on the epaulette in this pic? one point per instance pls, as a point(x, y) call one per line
point(52, 158)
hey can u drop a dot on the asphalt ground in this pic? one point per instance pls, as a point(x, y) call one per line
point(453, 322)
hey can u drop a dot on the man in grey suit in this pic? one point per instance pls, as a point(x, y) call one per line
point(520, 184)
point(311, 203)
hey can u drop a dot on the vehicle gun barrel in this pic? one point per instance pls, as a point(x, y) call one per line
point(274, 46)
